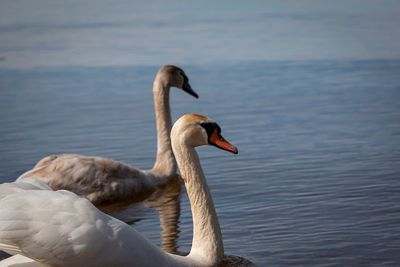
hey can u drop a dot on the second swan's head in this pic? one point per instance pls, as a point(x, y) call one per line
point(173, 76)
point(197, 130)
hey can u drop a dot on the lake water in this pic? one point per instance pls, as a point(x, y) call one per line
point(317, 178)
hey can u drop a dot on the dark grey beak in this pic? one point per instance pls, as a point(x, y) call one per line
point(188, 89)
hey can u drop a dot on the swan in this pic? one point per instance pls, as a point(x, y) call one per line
point(106, 182)
point(59, 228)
point(20, 261)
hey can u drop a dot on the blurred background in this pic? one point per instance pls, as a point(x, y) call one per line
point(308, 90)
point(44, 33)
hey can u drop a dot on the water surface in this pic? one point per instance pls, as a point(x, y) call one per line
point(316, 180)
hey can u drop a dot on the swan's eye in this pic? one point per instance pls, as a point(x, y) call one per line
point(218, 128)
point(185, 78)
point(210, 128)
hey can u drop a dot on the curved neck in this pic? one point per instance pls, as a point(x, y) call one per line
point(207, 246)
point(165, 163)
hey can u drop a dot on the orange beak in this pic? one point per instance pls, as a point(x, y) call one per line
point(220, 142)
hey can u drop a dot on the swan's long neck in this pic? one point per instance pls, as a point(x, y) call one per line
point(207, 246)
point(165, 164)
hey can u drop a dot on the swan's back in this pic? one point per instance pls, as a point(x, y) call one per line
point(61, 229)
point(20, 261)
point(103, 181)
point(21, 186)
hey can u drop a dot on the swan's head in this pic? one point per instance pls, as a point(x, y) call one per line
point(172, 76)
point(197, 130)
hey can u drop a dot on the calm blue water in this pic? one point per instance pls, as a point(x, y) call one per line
point(317, 178)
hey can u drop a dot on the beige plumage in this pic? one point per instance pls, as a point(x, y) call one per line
point(106, 182)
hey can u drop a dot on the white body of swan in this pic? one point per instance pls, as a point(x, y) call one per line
point(107, 182)
point(59, 228)
point(20, 261)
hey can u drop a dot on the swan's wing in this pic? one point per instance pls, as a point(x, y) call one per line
point(103, 181)
point(20, 261)
point(7, 189)
point(52, 227)
point(26, 184)
point(59, 228)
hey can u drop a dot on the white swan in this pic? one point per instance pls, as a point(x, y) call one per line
point(59, 228)
point(107, 182)
point(20, 261)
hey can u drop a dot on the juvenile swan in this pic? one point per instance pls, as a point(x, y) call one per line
point(59, 228)
point(107, 182)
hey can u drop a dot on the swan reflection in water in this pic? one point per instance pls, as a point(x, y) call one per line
point(167, 204)
point(166, 200)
